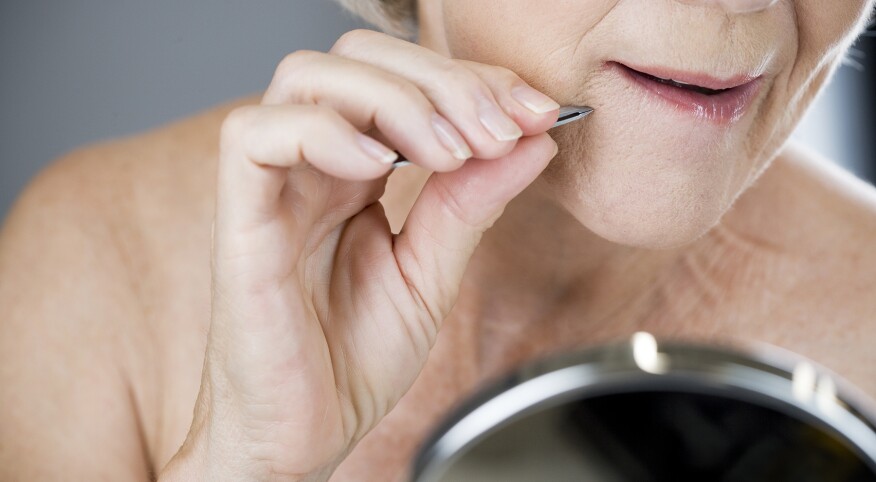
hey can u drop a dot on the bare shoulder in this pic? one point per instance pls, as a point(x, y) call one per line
point(802, 238)
point(828, 217)
point(137, 172)
point(809, 206)
point(84, 257)
point(826, 209)
point(818, 221)
point(136, 194)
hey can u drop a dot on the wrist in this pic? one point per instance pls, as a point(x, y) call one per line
point(218, 452)
point(206, 457)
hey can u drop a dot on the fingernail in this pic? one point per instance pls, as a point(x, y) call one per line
point(450, 137)
point(498, 123)
point(533, 99)
point(376, 150)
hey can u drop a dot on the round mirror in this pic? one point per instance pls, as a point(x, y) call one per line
point(639, 412)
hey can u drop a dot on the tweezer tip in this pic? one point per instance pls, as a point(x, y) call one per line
point(572, 113)
point(575, 109)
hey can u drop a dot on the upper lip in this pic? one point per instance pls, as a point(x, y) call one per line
point(698, 79)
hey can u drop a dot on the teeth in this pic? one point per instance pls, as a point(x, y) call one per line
point(683, 85)
point(672, 80)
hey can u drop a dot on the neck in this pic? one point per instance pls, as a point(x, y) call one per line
point(539, 271)
point(539, 259)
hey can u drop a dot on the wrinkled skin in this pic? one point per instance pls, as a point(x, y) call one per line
point(638, 173)
point(647, 219)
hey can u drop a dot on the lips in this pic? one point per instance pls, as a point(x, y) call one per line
point(721, 101)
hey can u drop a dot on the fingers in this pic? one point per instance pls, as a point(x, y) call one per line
point(367, 96)
point(476, 98)
point(423, 104)
point(532, 110)
point(259, 144)
point(452, 212)
point(436, 111)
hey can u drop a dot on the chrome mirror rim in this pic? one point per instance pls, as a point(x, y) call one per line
point(756, 373)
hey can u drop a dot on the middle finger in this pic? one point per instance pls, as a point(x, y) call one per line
point(459, 93)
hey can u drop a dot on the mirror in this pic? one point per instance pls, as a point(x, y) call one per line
point(631, 412)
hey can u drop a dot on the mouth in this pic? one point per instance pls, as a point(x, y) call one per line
point(721, 101)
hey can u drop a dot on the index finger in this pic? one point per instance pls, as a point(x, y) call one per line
point(478, 99)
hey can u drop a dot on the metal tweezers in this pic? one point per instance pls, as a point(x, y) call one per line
point(568, 114)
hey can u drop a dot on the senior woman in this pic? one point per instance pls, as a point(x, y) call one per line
point(283, 323)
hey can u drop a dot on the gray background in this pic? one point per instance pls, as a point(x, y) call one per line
point(74, 72)
point(78, 71)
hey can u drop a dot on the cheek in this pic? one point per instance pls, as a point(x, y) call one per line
point(825, 31)
point(623, 174)
point(825, 26)
point(530, 37)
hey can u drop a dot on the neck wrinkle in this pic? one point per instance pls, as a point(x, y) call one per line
point(539, 274)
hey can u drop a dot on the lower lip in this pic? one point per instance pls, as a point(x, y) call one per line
point(724, 108)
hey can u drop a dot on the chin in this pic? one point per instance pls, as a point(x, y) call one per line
point(648, 223)
point(637, 184)
point(647, 168)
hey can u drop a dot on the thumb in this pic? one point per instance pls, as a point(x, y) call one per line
point(451, 214)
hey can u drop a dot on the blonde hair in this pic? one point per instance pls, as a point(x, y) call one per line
point(395, 17)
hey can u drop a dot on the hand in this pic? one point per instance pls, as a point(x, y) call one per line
point(322, 317)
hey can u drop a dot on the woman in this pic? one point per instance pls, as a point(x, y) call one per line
point(302, 348)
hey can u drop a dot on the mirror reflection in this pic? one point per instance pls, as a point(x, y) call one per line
point(655, 436)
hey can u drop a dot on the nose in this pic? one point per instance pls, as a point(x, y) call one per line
point(735, 6)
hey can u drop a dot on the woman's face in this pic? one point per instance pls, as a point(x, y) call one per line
point(657, 164)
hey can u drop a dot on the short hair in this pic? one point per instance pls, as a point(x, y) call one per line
point(394, 17)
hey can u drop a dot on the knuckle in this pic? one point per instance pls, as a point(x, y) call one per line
point(236, 124)
point(350, 40)
point(290, 82)
point(293, 62)
point(460, 78)
point(450, 203)
point(452, 67)
point(323, 118)
point(505, 74)
point(406, 89)
point(407, 94)
point(494, 74)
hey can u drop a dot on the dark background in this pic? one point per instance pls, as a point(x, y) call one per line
point(74, 72)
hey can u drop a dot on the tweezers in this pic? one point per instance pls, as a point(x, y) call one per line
point(569, 113)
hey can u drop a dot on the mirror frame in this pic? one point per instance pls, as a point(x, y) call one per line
point(756, 373)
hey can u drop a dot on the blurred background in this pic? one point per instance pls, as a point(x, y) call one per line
point(75, 72)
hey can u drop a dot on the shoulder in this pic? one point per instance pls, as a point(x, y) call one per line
point(83, 252)
point(839, 193)
point(101, 220)
point(813, 208)
point(813, 227)
point(821, 220)
point(830, 218)
point(120, 190)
